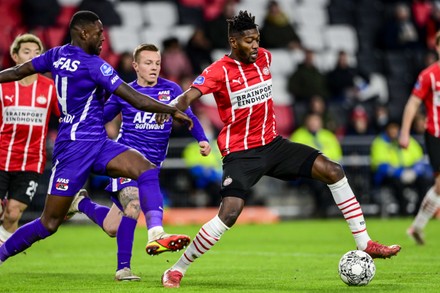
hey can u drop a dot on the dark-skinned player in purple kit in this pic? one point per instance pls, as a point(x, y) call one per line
point(82, 80)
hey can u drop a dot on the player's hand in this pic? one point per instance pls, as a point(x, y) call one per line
point(205, 148)
point(404, 140)
point(161, 118)
point(182, 117)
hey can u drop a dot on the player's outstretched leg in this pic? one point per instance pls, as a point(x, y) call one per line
point(167, 242)
point(152, 206)
point(430, 205)
point(205, 239)
point(352, 212)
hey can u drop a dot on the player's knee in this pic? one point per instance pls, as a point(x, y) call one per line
point(111, 230)
point(51, 225)
point(146, 166)
point(229, 218)
point(335, 172)
point(111, 224)
point(13, 214)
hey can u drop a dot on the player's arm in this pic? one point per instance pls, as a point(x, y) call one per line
point(409, 113)
point(17, 72)
point(148, 104)
point(185, 99)
point(182, 103)
point(199, 133)
point(112, 108)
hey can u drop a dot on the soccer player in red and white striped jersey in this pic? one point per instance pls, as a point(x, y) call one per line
point(26, 106)
point(427, 91)
point(241, 84)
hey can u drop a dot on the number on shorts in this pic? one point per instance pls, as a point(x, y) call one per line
point(30, 191)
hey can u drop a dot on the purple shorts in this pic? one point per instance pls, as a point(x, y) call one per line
point(74, 160)
point(117, 184)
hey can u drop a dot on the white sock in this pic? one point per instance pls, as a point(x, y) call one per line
point(4, 235)
point(430, 204)
point(154, 232)
point(207, 237)
point(351, 209)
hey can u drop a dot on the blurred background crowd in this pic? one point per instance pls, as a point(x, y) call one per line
point(342, 72)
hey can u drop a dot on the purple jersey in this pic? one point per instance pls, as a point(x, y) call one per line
point(81, 81)
point(139, 129)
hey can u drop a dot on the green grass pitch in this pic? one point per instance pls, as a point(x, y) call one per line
point(294, 256)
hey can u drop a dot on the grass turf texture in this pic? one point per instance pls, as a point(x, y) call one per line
point(297, 256)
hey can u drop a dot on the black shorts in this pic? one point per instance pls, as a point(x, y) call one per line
point(282, 159)
point(432, 144)
point(20, 186)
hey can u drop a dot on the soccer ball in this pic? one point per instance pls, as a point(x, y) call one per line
point(356, 268)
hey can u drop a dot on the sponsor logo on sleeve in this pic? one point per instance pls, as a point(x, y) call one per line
point(106, 69)
point(199, 80)
point(114, 79)
point(417, 86)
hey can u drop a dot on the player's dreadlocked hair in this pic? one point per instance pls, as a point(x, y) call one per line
point(241, 22)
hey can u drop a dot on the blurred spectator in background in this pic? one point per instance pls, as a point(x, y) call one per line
point(418, 127)
point(422, 13)
point(400, 32)
point(190, 12)
point(206, 171)
point(41, 13)
point(195, 12)
point(199, 50)
point(277, 32)
point(344, 82)
point(317, 105)
point(216, 29)
point(307, 81)
point(359, 122)
point(175, 63)
point(381, 117)
point(313, 134)
point(399, 170)
point(432, 25)
point(125, 67)
point(430, 58)
point(104, 8)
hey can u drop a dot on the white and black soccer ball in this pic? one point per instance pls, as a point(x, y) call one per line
point(356, 268)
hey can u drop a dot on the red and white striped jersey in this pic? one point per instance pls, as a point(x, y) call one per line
point(24, 117)
point(243, 93)
point(427, 88)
